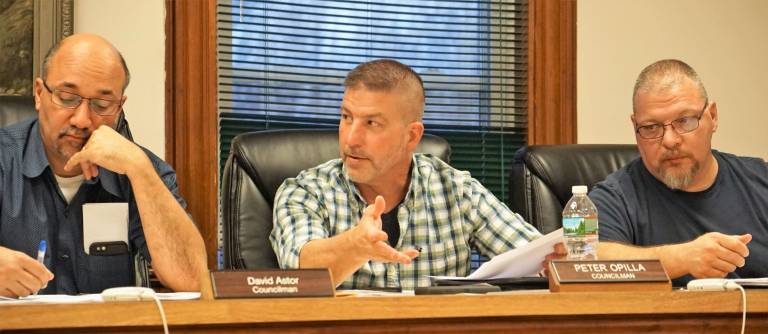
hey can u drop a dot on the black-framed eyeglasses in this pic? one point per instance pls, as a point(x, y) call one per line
point(69, 100)
point(681, 125)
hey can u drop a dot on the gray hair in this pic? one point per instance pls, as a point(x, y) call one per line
point(52, 52)
point(387, 75)
point(665, 74)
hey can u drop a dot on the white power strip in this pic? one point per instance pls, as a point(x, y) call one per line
point(127, 293)
point(712, 284)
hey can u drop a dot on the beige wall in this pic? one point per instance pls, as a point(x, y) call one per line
point(137, 29)
point(725, 41)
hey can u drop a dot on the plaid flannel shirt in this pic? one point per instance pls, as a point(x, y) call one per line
point(445, 213)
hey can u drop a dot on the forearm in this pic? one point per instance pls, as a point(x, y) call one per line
point(666, 254)
point(333, 253)
point(176, 247)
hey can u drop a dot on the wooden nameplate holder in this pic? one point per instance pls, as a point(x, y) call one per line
point(613, 275)
point(272, 283)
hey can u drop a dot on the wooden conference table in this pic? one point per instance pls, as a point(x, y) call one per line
point(539, 310)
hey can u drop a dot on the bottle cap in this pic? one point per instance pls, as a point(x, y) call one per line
point(579, 189)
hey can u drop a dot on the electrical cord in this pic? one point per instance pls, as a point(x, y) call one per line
point(743, 307)
point(165, 321)
point(730, 285)
point(134, 293)
point(721, 284)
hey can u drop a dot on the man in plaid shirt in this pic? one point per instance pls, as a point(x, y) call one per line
point(382, 216)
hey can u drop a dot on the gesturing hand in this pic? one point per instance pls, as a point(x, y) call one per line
point(370, 240)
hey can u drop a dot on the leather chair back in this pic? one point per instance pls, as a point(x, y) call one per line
point(258, 164)
point(542, 176)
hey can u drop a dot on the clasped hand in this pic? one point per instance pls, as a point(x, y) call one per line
point(714, 254)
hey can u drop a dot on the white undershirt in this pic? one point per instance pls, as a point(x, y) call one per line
point(69, 185)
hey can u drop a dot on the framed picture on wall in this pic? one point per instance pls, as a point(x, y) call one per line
point(28, 28)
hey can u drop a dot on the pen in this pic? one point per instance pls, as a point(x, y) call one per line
point(41, 255)
point(41, 252)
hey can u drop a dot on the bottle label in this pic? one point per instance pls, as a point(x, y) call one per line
point(579, 225)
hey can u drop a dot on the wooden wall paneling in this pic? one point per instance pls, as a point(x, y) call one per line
point(191, 119)
point(551, 72)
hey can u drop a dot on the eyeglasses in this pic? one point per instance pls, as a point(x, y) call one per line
point(69, 100)
point(681, 125)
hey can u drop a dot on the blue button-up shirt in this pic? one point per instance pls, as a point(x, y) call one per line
point(32, 208)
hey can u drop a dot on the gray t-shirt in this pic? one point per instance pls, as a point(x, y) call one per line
point(636, 208)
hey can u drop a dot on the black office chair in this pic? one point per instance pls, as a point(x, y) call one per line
point(542, 176)
point(258, 164)
point(16, 108)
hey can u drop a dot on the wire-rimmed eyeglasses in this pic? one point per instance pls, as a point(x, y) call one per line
point(69, 100)
point(681, 125)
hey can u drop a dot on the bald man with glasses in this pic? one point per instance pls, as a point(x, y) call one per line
point(701, 212)
point(71, 155)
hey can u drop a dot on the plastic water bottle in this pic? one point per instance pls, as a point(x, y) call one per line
point(580, 226)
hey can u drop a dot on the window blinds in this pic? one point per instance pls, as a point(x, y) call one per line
point(282, 64)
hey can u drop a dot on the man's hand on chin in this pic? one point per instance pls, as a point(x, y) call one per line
point(108, 149)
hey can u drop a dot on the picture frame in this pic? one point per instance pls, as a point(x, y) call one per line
point(44, 24)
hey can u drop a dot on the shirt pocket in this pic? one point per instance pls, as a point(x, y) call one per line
point(102, 272)
point(439, 259)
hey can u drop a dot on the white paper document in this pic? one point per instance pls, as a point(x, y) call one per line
point(519, 262)
point(754, 282)
point(373, 293)
point(53, 299)
point(178, 295)
point(104, 222)
point(87, 298)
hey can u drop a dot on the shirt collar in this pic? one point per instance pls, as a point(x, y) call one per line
point(35, 161)
point(413, 184)
point(351, 188)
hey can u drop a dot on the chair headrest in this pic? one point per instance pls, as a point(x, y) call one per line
point(562, 166)
point(269, 157)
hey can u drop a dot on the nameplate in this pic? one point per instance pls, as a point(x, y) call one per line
point(272, 283)
point(608, 275)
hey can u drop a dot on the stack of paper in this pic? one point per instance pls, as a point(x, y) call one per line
point(519, 262)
